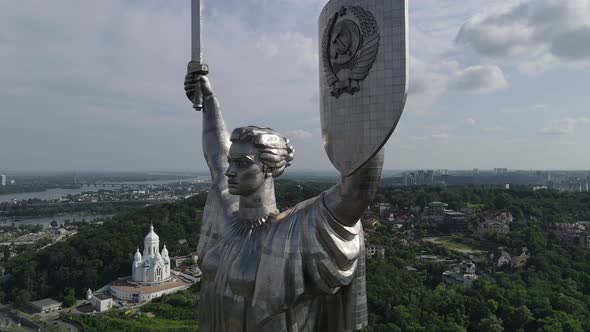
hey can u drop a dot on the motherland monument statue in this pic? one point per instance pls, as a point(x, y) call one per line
point(302, 269)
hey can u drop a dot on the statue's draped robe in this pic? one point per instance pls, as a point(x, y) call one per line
point(302, 271)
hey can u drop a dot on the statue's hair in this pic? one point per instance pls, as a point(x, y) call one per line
point(276, 152)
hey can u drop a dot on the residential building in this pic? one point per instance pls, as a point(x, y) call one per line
point(384, 209)
point(454, 222)
point(372, 223)
point(375, 251)
point(3, 177)
point(436, 208)
point(434, 212)
point(492, 227)
point(193, 258)
point(504, 217)
point(520, 260)
point(501, 257)
point(445, 220)
point(462, 274)
point(47, 305)
point(99, 301)
point(576, 234)
point(470, 213)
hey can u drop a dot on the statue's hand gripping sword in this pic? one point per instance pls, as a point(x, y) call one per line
point(196, 66)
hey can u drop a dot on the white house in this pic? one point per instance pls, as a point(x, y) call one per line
point(464, 275)
point(99, 301)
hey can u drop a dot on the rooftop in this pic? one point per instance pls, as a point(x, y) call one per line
point(45, 302)
point(125, 286)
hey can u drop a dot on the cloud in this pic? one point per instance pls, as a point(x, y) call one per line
point(428, 81)
point(107, 87)
point(573, 45)
point(480, 79)
point(470, 121)
point(434, 24)
point(298, 134)
point(440, 136)
point(537, 108)
point(496, 129)
point(431, 80)
point(565, 126)
point(111, 83)
point(555, 131)
point(536, 33)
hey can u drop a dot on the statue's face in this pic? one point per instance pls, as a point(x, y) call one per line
point(244, 174)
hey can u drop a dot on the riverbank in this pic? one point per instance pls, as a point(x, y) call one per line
point(61, 220)
point(57, 193)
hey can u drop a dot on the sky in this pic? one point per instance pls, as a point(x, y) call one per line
point(98, 85)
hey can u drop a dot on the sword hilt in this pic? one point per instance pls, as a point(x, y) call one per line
point(198, 69)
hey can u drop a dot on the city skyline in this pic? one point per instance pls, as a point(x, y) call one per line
point(492, 83)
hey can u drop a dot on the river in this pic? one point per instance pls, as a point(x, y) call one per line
point(52, 194)
point(46, 222)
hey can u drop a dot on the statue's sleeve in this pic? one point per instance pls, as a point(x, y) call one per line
point(330, 249)
point(217, 213)
point(334, 263)
point(311, 254)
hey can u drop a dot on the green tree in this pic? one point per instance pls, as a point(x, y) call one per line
point(70, 297)
point(503, 201)
point(490, 324)
point(520, 318)
point(560, 321)
point(23, 297)
point(6, 250)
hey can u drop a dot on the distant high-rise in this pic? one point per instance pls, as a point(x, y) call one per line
point(419, 178)
point(3, 180)
point(501, 171)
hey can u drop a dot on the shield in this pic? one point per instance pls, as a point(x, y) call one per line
point(363, 77)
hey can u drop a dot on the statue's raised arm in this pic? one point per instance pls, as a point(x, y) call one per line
point(351, 197)
point(215, 139)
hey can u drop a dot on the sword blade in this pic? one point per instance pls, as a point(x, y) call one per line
point(196, 30)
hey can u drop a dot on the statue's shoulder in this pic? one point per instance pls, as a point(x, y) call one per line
point(302, 210)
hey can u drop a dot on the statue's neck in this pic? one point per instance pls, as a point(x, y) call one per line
point(261, 203)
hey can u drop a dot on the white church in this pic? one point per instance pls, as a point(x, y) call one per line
point(153, 267)
point(151, 274)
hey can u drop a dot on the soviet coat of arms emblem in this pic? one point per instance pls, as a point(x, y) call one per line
point(350, 45)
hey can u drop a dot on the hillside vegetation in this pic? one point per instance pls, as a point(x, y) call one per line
point(552, 293)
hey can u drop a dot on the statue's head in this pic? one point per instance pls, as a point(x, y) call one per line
point(256, 154)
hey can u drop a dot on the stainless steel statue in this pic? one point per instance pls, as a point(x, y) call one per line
point(302, 269)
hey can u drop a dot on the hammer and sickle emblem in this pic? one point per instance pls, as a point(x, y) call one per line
point(346, 41)
point(350, 44)
point(342, 42)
